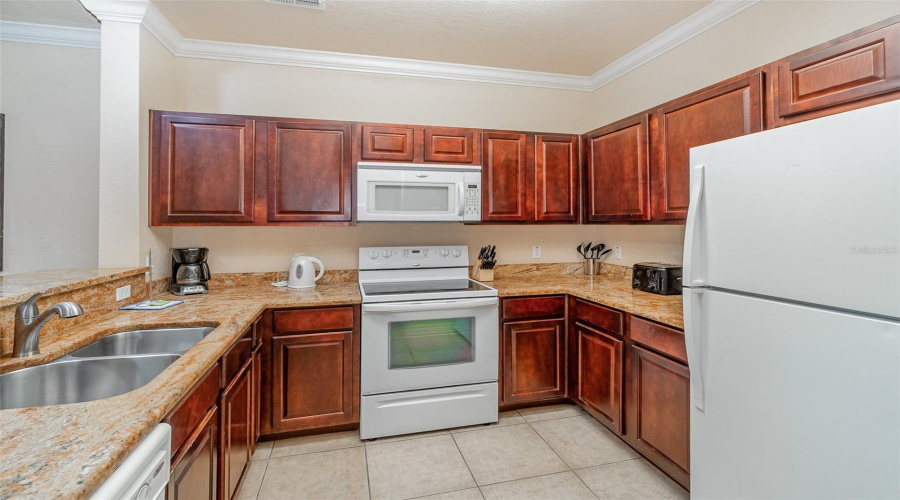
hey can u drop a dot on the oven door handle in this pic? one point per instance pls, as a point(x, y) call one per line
point(431, 305)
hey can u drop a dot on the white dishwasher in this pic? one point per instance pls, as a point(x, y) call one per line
point(145, 472)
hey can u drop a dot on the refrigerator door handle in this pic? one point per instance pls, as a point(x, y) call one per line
point(691, 231)
point(695, 340)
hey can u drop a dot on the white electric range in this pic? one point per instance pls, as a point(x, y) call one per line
point(430, 341)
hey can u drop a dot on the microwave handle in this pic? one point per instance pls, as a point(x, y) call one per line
point(430, 305)
point(461, 193)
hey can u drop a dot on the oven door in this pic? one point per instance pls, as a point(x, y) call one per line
point(410, 195)
point(429, 344)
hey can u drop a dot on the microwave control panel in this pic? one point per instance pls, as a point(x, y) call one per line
point(472, 200)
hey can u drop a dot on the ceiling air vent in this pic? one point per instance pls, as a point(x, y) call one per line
point(309, 4)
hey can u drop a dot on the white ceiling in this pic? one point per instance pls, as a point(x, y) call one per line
point(574, 37)
point(58, 12)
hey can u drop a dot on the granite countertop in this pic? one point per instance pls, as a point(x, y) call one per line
point(68, 450)
point(15, 288)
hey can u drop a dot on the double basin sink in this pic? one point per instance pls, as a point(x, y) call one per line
point(110, 366)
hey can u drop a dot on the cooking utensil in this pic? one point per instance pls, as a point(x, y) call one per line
point(594, 251)
point(587, 250)
point(580, 246)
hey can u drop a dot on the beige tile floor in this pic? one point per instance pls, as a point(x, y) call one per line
point(552, 452)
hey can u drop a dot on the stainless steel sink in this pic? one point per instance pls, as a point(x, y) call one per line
point(71, 380)
point(154, 341)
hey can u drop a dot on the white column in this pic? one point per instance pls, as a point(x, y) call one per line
point(119, 222)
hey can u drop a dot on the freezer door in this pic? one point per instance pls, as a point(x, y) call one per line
point(798, 402)
point(808, 212)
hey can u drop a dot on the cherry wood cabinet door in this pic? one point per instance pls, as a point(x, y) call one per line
point(449, 145)
point(534, 360)
point(555, 178)
point(312, 380)
point(504, 178)
point(598, 369)
point(617, 174)
point(839, 72)
point(195, 471)
point(201, 168)
point(310, 171)
point(236, 430)
point(729, 110)
point(658, 412)
point(387, 143)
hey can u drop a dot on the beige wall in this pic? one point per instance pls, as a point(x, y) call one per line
point(768, 31)
point(51, 98)
point(161, 88)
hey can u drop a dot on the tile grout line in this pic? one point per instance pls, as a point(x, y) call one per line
point(466, 462)
point(368, 478)
point(261, 481)
point(561, 458)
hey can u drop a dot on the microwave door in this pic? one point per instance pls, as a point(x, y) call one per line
point(409, 195)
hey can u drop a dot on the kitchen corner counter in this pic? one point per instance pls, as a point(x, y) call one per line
point(67, 451)
point(615, 292)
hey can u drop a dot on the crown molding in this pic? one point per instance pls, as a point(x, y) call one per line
point(141, 11)
point(123, 11)
point(691, 26)
point(45, 34)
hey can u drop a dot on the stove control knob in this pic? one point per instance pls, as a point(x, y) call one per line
point(457, 253)
point(373, 255)
point(445, 252)
point(386, 253)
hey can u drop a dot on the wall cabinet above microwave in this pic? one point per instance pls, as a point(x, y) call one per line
point(418, 144)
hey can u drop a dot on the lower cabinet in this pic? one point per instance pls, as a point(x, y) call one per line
point(658, 409)
point(195, 469)
point(237, 432)
point(534, 360)
point(598, 368)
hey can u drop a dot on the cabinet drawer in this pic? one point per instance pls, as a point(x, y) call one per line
point(185, 417)
point(534, 307)
point(661, 338)
point(235, 358)
point(608, 320)
point(312, 320)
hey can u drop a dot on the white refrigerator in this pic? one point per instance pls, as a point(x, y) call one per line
point(792, 310)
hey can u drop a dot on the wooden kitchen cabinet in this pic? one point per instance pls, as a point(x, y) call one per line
point(202, 168)
point(556, 178)
point(597, 358)
point(534, 360)
point(310, 171)
point(237, 433)
point(387, 143)
point(418, 144)
point(194, 473)
point(504, 177)
point(450, 145)
point(725, 111)
point(658, 411)
point(617, 176)
point(856, 70)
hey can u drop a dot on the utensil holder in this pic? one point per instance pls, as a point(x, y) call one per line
point(591, 267)
point(484, 275)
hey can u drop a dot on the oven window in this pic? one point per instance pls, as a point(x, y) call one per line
point(411, 198)
point(432, 342)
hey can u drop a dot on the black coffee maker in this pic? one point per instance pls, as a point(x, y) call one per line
point(189, 271)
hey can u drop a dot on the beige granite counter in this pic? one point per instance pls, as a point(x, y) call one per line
point(68, 450)
point(15, 288)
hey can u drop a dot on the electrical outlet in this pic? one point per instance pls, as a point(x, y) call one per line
point(617, 252)
point(536, 252)
point(123, 292)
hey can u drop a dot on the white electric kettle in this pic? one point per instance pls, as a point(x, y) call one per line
point(302, 273)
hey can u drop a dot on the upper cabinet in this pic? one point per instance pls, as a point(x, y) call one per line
point(529, 177)
point(310, 171)
point(418, 144)
point(856, 70)
point(617, 177)
point(555, 178)
point(731, 109)
point(202, 168)
point(504, 177)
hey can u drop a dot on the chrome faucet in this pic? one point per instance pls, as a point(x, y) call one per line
point(29, 321)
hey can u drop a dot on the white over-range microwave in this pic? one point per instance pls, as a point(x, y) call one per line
point(412, 192)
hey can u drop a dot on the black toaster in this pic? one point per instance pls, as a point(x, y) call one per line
point(656, 277)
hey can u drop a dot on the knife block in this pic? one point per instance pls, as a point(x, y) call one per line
point(483, 274)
